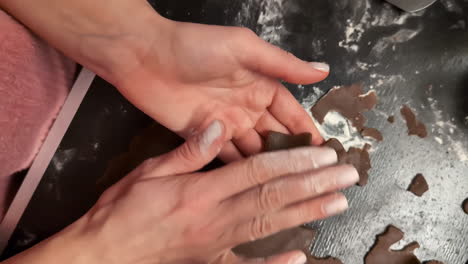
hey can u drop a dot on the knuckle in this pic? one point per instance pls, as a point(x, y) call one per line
point(245, 33)
point(255, 169)
point(260, 227)
point(188, 153)
point(269, 198)
point(149, 165)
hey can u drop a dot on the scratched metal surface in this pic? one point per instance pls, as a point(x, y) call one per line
point(419, 59)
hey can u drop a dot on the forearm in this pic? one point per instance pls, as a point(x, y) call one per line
point(71, 246)
point(108, 36)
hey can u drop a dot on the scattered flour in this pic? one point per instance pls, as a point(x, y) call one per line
point(62, 157)
point(271, 21)
point(445, 129)
point(381, 16)
point(334, 124)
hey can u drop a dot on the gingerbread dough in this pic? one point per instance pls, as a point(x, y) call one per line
point(372, 132)
point(298, 238)
point(280, 141)
point(415, 127)
point(359, 158)
point(381, 253)
point(418, 185)
point(349, 101)
point(465, 206)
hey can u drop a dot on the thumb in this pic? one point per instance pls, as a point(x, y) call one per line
point(272, 61)
point(195, 153)
point(291, 257)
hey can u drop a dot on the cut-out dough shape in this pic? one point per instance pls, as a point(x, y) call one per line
point(418, 185)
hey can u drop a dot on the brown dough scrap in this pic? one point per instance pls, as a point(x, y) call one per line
point(414, 126)
point(279, 141)
point(418, 185)
point(151, 142)
point(372, 132)
point(298, 238)
point(433, 262)
point(380, 253)
point(349, 101)
point(391, 119)
point(327, 260)
point(465, 206)
point(359, 158)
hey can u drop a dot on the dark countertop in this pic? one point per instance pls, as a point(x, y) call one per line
point(416, 59)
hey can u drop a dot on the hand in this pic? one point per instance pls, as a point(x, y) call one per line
point(183, 75)
point(194, 74)
point(162, 213)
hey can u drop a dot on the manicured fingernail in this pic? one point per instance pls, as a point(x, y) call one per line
point(300, 258)
point(348, 176)
point(325, 157)
point(336, 206)
point(320, 66)
point(210, 135)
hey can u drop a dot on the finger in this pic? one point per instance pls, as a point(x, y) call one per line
point(290, 113)
point(292, 257)
point(268, 123)
point(295, 215)
point(263, 57)
point(195, 153)
point(250, 143)
point(229, 153)
point(240, 176)
point(289, 190)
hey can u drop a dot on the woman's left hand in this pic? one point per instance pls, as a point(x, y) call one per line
point(198, 73)
point(183, 75)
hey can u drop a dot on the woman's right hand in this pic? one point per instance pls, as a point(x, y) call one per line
point(163, 213)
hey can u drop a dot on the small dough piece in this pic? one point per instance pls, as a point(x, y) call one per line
point(359, 158)
point(433, 262)
point(414, 126)
point(391, 119)
point(380, 253)
point(327, 260)
point(418, 185)
point(298, 238)
point(279, 141)
point(349, 101)
point(372, 132)
point(465, 206)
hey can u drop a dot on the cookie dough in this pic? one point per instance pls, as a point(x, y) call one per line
point(349, 101)
point(391, 119)
point(280, 141)
point(415, 127)
point(418, 185)
point(372, 132)
point(465, 206)
point(299, 238)
point(359, 158)
point(381, 253)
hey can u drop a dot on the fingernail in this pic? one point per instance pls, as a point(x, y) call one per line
point(210, 135)
point(298, 259)
point(326, 157)
point(336, 206)
point(348, 176)
point(320, 66)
